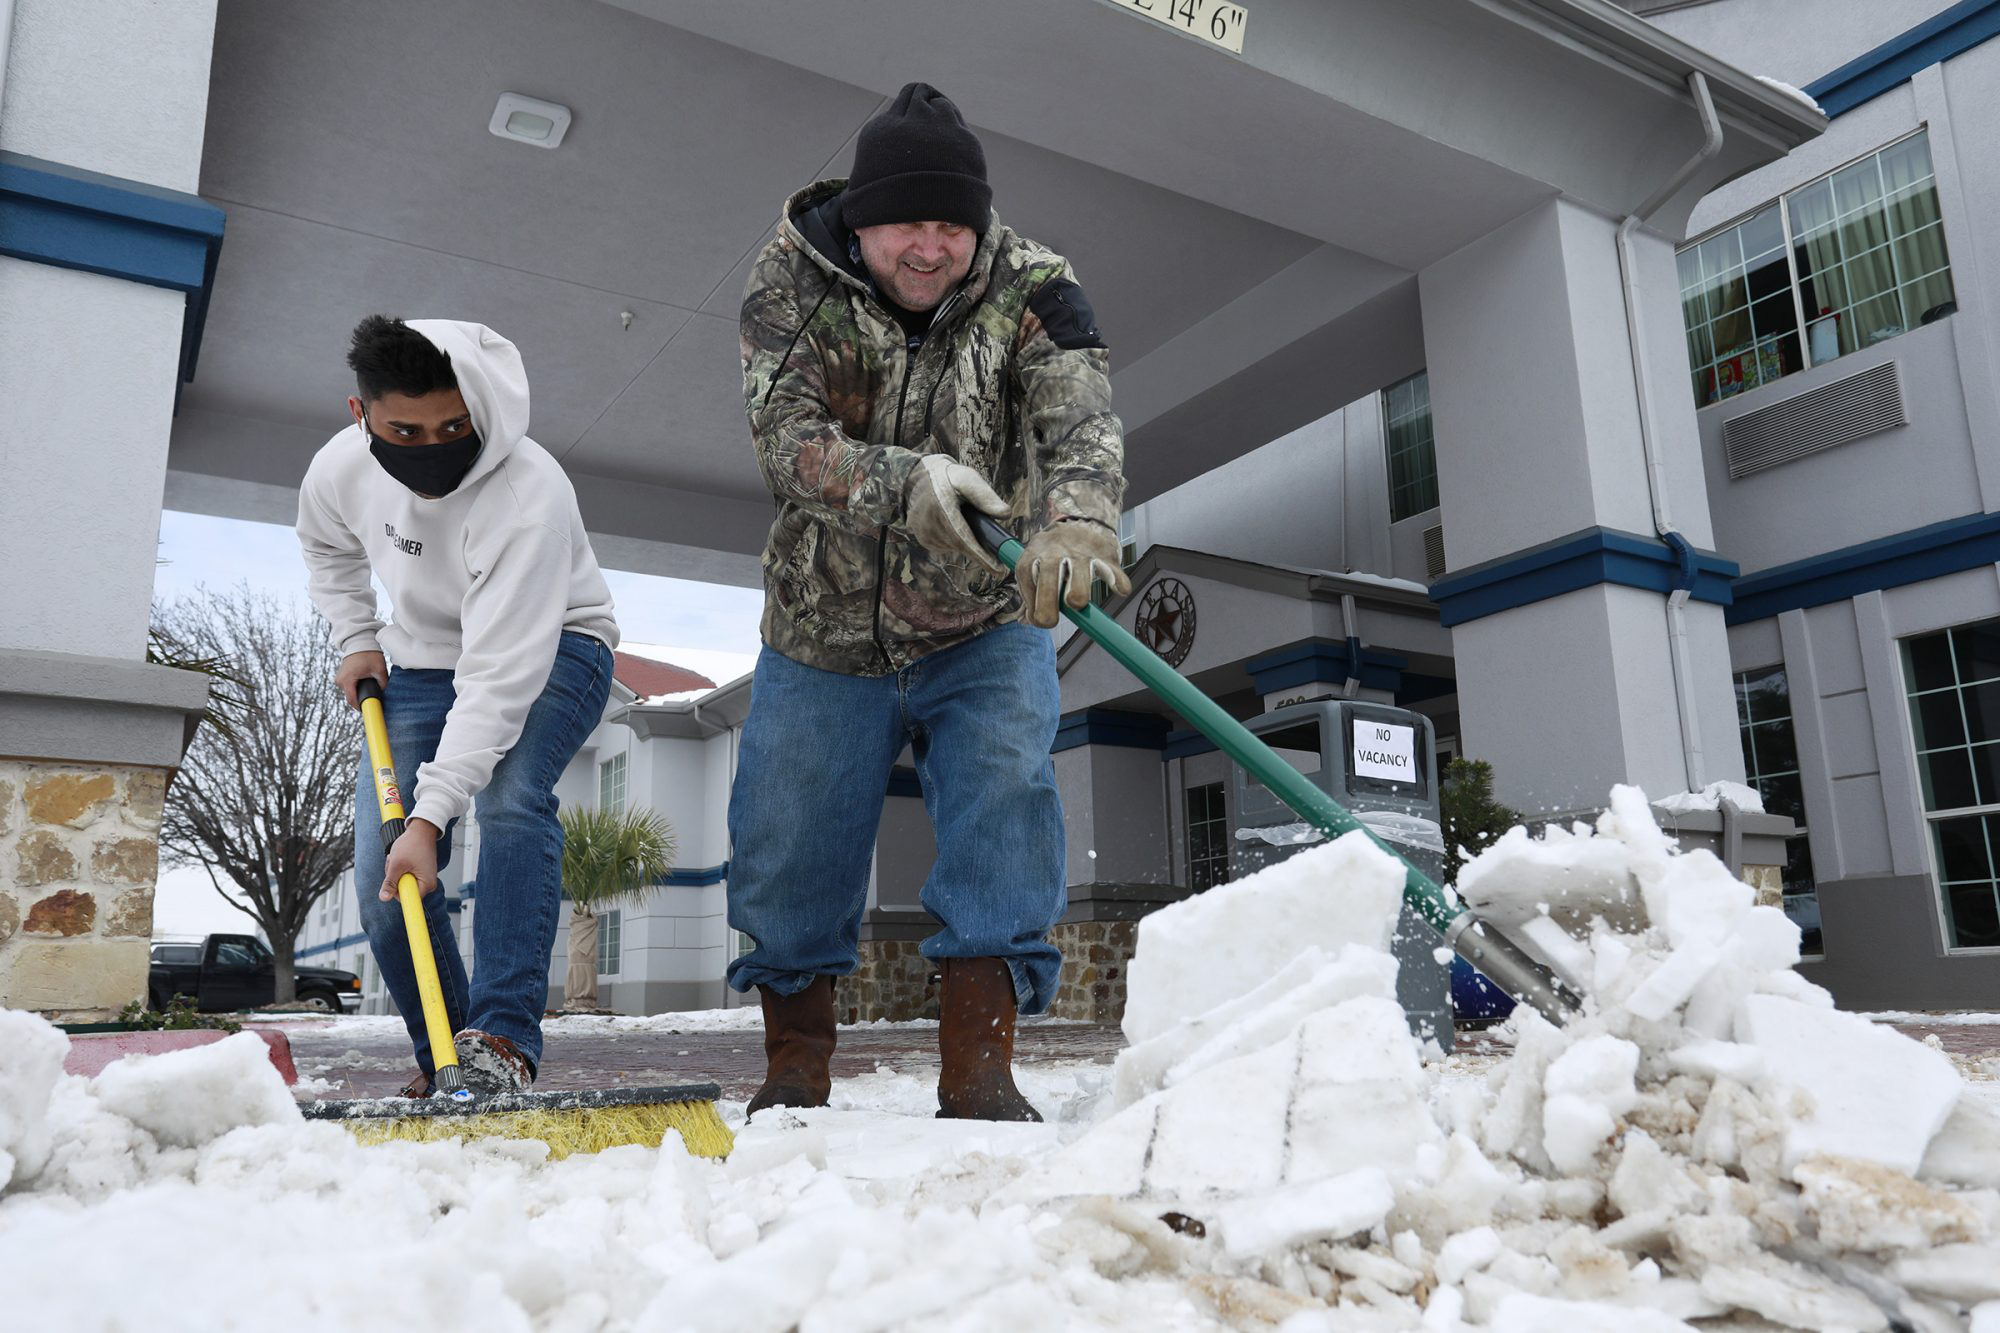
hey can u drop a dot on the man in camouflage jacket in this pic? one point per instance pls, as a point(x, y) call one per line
point(904, 355)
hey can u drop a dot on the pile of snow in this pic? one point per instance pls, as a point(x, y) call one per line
point(1711, 1139)
point(1796, 94)
point(1711, 797)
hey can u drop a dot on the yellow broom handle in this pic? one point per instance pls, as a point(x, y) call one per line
point(444, 1055)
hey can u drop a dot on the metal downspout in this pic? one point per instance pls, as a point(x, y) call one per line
point(1679, 653)
point(1348, 624)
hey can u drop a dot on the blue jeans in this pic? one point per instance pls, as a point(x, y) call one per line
point(519, 889)
point(817, 752)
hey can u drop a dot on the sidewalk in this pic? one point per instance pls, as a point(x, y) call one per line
point(370, 1057)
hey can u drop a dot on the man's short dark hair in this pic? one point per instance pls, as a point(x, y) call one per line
point(388, 356)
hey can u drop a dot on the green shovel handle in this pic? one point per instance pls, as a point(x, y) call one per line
point(1483, 946)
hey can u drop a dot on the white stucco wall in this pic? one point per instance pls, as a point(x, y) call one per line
point(87, 369)
point(117, 86)
point(89, 364)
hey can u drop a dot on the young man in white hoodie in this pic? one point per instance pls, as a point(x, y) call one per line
point(501, 640)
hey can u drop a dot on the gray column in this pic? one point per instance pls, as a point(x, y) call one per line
point(1537, 422)
point(103, 103)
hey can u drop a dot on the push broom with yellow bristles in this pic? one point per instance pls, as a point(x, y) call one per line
point(568, 1122)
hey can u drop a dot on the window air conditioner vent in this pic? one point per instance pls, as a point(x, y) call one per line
point(1434, 551)
point(1833, 414)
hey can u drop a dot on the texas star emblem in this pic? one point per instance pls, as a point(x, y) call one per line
point(1165, 621)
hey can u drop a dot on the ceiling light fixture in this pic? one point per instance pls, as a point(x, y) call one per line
point(529, 120)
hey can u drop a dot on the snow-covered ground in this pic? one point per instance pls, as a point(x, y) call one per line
point(1710, 1141)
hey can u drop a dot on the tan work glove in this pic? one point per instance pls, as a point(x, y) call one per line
point(934, 509)
point(1061, 560)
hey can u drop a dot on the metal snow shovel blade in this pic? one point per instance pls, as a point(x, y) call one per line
point(1485, 948)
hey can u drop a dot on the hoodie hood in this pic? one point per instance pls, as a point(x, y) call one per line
point(493, 382)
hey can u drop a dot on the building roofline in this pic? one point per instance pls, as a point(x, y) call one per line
point(1950, 32)
point(1609, 33)
point(720, 709)
point(1317, 585)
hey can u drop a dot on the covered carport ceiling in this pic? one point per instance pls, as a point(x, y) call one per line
point(1248, 227)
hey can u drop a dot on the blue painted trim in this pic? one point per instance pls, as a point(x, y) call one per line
point(1580, 560)
point(1938, 38)
point(686, 878)
point(1324, 659)
point(1110, 726)
point(330, 947)
point(1888, 562)
point(904, 782)
point(72, 218)
point(1185, 743)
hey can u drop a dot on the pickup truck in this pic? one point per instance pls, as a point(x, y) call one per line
point(225, 972)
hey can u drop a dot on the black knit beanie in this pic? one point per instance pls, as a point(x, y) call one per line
point(917, 162)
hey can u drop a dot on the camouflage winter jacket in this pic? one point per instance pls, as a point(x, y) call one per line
point(1011, 379)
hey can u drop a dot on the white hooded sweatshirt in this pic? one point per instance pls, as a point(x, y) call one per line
point(482, 582)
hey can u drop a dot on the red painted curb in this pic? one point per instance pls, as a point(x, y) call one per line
point(89, 1053)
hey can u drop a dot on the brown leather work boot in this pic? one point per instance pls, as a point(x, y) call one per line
point(798, 1047)
point(492, 1066)
point(976, 1042)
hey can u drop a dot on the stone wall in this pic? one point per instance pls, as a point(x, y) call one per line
point(1095, 957)
point(79, 855)
point(895, 981)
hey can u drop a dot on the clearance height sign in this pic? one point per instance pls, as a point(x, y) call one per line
point(1213, 21)
point(1385, 751)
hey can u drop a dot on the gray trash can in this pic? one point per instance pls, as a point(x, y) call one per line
point(1381, 763)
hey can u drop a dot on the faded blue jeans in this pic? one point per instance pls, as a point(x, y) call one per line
point(817, 752)
point(519, 888)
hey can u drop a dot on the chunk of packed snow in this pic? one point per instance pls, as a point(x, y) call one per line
point(1720, 1059)
point(185, 1098)
point(1466, 1251)
point(1586, 1089)
point(1277, 1220)
point(1345, 1090)
point(1863, 1206)
point(1523, 1313)
point(1209, 949)
point(1570, 876)
point(1869, 1092)
point(1965, 1273)
point(31, 1060)
point(1307, 984)
point(1966, 1148)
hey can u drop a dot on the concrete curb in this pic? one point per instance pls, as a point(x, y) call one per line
point(89, 1053)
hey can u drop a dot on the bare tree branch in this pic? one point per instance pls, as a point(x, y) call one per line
point(266, 802)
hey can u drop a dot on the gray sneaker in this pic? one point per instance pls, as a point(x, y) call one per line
point(492, 1065)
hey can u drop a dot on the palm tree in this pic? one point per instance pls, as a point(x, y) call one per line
point(609, 858)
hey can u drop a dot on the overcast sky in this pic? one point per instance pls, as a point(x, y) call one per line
point(705, 627)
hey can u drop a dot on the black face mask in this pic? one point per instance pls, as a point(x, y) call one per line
point(427, 469)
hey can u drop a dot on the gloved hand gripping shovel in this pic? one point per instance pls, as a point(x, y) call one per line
point(1477, 942)
point(445, 1073)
